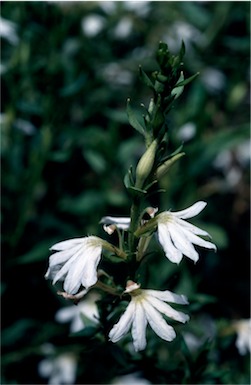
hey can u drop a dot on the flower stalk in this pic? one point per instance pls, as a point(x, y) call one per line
point(78, 263)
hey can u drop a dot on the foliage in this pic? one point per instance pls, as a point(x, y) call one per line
point(67, 145)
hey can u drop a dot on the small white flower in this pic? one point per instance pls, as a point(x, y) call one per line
point(131, 379)
point(123, 28)
point(122, 223)
point(87, 308)
point(145, 307)
point(8, 31)
point(92, 25)
point(75, 262)
point(177, 236)
point(60, 370)
point(187, 131)
point(243, 341)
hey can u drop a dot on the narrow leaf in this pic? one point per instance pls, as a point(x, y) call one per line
point(133, 120)
point(177, 91)
point(186, 81)
point(145, 78)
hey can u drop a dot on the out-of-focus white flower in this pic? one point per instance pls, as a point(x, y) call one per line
point(192, 341)
point(116, 75)
point(243, 152)
point(243, 341)
point(140, 8)
point(205, 331)
point(131, 379)
point(75, 262)
point(60, 370)
point(123, 28)
point(8, 31)
point(107, 6)
point(177, 236)
point(187, 131)
point(145, 307)
point(25, 126)
point(92, 25)
point(232, 162)
point(181, 30)
point(213, 79)
point(87, 308)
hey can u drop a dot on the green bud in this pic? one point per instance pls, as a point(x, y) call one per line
point(162, 170)
point(145, 164)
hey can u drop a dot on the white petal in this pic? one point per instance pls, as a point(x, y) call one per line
point(158, 324)
point(123, 226)
point(167, 296)
point(182, 242)
point(121, 328)
point(116, 221)
point(52, 272)
point(69, 243)
point(90, 273)
point(61, 257)
point(191, 211)
point(139, 327)
point(67, 266)
point(190, 227)
point(172, 253)
point(168, 310)
point(199, 241)
point(83, 270)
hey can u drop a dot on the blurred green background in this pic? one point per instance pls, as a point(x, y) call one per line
point(67, 69)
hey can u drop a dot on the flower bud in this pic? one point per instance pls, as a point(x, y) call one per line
point(145, 164)
point(162, 170)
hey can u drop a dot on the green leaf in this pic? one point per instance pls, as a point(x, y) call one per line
point(95, 160)
point(145, 78)
point(177, 90)
point(186, 81)
point(136, 191)
point(133, 120)
point(128, 179)
point(182, 51)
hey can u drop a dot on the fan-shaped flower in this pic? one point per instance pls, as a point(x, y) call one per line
point(177, 236)
point(75, 262)
point(145, 307)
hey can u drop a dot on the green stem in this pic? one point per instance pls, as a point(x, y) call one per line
point(135, 214)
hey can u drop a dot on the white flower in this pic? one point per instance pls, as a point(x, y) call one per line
point(123, 28)
point(187, 131)
point(75, 262)
point(122, 223)
point(145, 307)
point(92, 25)
point(60, 370)
point(87, 308)
point(177, 236)
point(130, 379)
point(8, 31)
point(243, 341)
